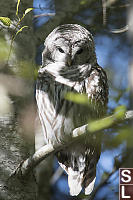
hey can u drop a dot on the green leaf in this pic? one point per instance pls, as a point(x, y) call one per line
point(125, 135)
point(17, 8)
point(100, 124)
point(21, 29)
point(28, 10)
point(120, 112)
point(106, 122)
point(77, 98)
point(4, 50)
point(6, 21)
point(83, 2)
point(35, 73)
point(27, 70)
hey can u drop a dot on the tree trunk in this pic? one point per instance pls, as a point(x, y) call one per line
point(13, 151)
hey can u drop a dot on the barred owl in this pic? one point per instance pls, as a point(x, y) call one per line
point(69, 64)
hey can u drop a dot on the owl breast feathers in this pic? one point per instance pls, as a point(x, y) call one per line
point(69, 64)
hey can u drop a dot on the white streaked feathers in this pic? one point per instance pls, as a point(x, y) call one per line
point(75, 181)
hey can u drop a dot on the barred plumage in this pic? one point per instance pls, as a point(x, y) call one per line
point(69, 65)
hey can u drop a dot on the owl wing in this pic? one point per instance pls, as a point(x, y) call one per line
point(53, 109)
point(80, 160)
point(56, 115)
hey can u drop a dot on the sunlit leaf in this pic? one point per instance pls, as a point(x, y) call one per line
point(35, 73)
point(28, 10)
point(125, 135)
point(77, 98)
point(20, 30)
point(17, 8)
point(83, 2)
point(27, 70)
point(100, 124)
point(120, 112)
point(4, 50)
point(6, 21)
point(106, 122)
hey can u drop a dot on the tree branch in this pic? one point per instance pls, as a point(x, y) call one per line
point(121, 30)
point(26, 166)
point(117, 165)
point(44, 15)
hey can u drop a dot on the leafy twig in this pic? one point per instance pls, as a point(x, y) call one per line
point(121, 30)
point(48, 149)
point(7, 22)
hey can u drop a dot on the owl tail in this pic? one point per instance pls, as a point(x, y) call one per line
point(80, 178)
point(79, 161)
point(75, 182)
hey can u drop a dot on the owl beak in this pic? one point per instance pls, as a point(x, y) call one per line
point(69, 60)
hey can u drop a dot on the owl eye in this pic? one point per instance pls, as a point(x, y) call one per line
point(79, 51)
point(61, 50)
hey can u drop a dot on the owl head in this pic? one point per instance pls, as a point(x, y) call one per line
point(69, 45)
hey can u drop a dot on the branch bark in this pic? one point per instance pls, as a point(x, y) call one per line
point(44, 15)
point(26, 166)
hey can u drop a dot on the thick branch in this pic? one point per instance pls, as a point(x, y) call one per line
point(26, 166)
